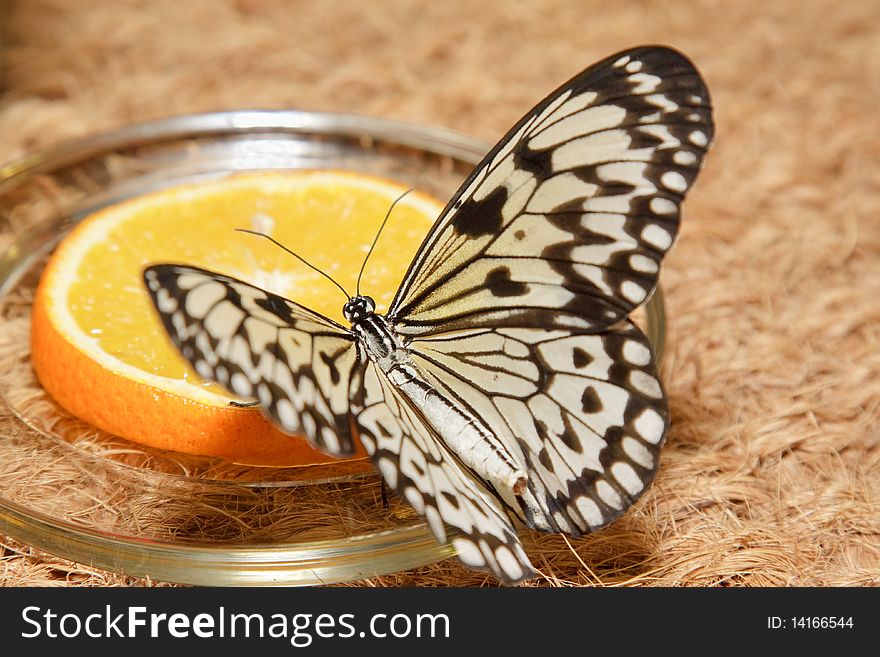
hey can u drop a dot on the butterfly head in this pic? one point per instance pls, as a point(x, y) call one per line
point(358, 308)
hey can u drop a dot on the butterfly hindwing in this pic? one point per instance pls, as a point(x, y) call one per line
point(417, 465)
point(585, 413)
point(297, 363)
point(564, 223)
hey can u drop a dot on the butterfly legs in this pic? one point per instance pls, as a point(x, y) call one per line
point(385, 504)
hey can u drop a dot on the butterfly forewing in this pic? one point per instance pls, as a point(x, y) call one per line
point(564, 223)
point(296, 362)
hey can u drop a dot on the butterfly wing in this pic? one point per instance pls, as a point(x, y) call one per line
point(296, 362)
point(564, 223)
point(417, 465)
point(585, 414)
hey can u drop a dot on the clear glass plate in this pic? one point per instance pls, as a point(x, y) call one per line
point(91, 497)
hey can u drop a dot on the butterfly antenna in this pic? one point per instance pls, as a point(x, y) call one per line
point(376, 239)
point(298, 257)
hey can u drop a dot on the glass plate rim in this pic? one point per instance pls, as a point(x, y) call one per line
point(255, 564)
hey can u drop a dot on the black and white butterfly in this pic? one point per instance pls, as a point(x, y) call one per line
point(505, 381)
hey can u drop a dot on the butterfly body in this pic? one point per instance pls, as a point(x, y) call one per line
point(462, 432)
point(505, 382)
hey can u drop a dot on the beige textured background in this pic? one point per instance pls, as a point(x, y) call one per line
point(771, 475)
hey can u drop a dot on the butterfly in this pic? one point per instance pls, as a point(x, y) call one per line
point(505, 383)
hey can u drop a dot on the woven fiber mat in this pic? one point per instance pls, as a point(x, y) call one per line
point(771, 472)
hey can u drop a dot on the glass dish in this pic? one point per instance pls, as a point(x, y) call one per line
point(75, 492)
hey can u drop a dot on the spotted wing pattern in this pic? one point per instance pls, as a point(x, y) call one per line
point(585, 413)
point(564, 223)
point(296, 362)
point(418, 466)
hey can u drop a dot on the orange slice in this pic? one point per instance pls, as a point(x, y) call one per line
point(98, 348)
